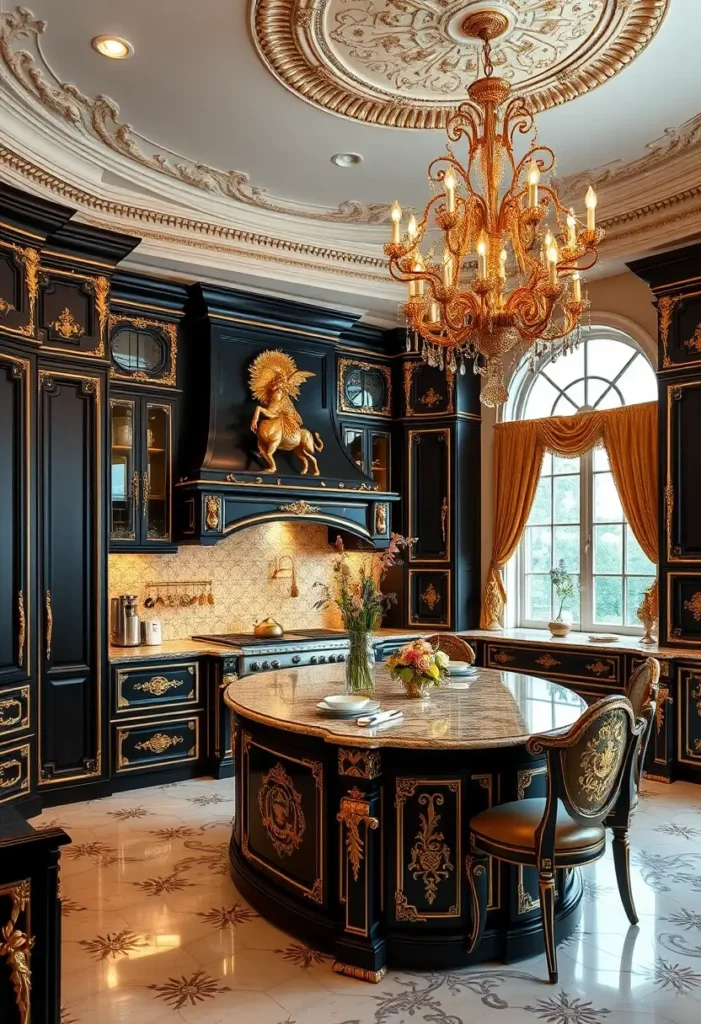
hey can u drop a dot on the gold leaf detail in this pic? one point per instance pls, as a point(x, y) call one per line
point(599, 668)
point(281, 811)
point(159, 743)
point(430, 597)
point(503, 658)
point(431, 398)
point(16, 947)
point(157, 686)
point(212, 516)
point(362, 764)
point(694, 606)
point(67, 326)
point(430, 855)
point(601, 760)
point(355, 811)
point(299, 508)
point(547, 661)
point(5, 307)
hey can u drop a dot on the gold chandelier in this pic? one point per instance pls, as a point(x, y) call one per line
point(539, 301)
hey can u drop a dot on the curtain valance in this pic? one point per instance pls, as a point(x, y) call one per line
point(630, 437)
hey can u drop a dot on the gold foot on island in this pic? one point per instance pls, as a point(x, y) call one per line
point(359, 973)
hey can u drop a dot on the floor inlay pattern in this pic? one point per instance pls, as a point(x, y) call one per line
point(154, 931)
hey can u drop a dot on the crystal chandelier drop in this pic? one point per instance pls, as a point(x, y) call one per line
point(527, 293)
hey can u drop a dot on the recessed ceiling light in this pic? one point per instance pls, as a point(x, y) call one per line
point(346, 159)
point(112, 46)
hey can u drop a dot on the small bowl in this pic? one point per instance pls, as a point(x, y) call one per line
point(347, 702)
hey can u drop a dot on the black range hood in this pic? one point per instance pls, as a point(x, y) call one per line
point(225, 485)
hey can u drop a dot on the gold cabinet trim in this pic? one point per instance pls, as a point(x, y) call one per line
point(122, 675)
point(16, 945)
point(21, 628)
point(156, 745)
point(30, 260)
point(140, 322)
point(22, 702)
point(344, 364)
point(354, 813)
point(18, 760)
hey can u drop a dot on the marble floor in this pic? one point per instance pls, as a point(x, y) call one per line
point(154, 931)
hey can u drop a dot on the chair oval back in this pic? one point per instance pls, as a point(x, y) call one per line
point(641, 683)
point(594, 759)
point(454, 646)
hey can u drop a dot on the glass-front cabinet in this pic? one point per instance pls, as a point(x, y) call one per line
point(370, 451)
point(141, 437)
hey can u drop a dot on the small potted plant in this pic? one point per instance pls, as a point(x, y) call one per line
point(566, 586)
point(418, 666)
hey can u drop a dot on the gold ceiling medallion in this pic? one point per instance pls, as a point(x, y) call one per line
point(275, 381)
point(159, 743)
point(281, 811)
point(430, 855)
point(405, 65)
point(527, 295)
point(67, 326)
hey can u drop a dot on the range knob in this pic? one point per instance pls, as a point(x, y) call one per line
point(332, 658)
point(296, 659)
point(265, 666)
point(313, 660)
point(275, 663)
point(341, 657)
point(255, 666)
point(322, 659)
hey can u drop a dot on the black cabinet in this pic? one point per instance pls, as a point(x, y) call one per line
point(428, 496)
point(72, 580)
point(141, 472)
point(15, 517)
point(371, 451)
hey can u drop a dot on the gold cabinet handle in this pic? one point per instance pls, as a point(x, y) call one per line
point(49, 624)
point(135, 493)
point(22, 628)
point(444, 518)
point(145, 492)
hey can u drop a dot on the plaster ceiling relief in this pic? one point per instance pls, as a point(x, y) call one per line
point(99, 118)
point(407, 63)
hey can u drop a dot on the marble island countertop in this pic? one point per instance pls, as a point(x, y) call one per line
point(488, 709)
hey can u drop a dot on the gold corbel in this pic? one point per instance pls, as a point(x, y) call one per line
point(16, 946)
point(355, 811)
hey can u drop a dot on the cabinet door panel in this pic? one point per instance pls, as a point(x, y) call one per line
point(71, 554)
point(14, 517)
point(683, 485)
point(429, 494)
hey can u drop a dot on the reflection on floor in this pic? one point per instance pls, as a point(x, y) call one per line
point(154, 931)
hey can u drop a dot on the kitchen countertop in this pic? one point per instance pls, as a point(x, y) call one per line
point(485, 710)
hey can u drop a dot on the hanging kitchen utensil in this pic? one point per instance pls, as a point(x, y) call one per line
point(210, 595)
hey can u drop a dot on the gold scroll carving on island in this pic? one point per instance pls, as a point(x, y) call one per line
point(281, 811)
point(275, 381)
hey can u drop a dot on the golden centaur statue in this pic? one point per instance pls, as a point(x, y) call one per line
point(275, 381)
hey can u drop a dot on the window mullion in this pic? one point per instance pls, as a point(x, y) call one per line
point(586, 540)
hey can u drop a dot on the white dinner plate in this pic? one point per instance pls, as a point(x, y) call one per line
point(603, 638)
point(460, 668)
point(330, 712)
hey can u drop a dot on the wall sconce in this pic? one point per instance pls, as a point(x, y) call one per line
point(286, 572)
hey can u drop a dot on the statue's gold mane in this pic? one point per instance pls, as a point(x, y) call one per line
point(272, 370)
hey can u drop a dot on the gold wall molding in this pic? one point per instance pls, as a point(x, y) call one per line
point(100, 117)
point(405, 66)
point(16, 946)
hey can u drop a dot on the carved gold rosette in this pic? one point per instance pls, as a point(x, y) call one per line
point(405, 65)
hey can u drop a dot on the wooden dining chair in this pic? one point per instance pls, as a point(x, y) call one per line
point(454, 646)
point(590, 785)
point(643, 688)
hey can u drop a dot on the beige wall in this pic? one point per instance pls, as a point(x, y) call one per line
point(622, 301)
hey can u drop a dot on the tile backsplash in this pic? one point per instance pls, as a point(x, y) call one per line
point(240, 568)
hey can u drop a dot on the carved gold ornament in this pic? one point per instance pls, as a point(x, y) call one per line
point(431, 398)
point(158, 685)
point(159, 743)
point(355, 811)
point(547, 661)
point(694, 606)
point(275, 381)
point(430, 854)
point(212, 514)
point(300, 508)
point(16, 946)
point(662, 699)
point(601, 760)
point(143, 323)
point(599, 668)
point(5, 307)
point(502, 658)
point(67, 326)
point(381, 519)
point(281, 811)
point(695, 341)
point(404, 65)
point(11, 712)
point(665, 309)
point(21, 628)
point(361, 764)
point(430, 597)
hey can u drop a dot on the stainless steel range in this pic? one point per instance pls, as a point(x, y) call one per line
point(297, 647)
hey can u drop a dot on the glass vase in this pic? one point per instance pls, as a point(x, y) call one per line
point(360, 664)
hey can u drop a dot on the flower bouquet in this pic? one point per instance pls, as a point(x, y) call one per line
point(358, 596)
point(418, 666)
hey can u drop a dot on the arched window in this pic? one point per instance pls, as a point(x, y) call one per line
point(577, 516)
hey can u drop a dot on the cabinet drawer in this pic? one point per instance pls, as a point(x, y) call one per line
point(587, 666)
point(14, 771)
point(144, 745)
point(14, 710)
point(689, 720)
point(152, 687)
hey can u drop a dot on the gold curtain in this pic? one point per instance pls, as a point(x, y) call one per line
point(630, 437)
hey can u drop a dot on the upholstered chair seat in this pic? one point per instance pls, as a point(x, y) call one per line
point(512, 828)
point(454, 646)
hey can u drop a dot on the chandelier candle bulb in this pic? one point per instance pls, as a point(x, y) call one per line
point(577, 287)
point(502, 264)
point(571, 228)
point(412, 228)
point(553, 256)
point(449, 182)
point(533, 182)
point(396, 216)
point(418, 267)
point(482, 254)
point(590, 201)
point(435, 313)
point(447, 270)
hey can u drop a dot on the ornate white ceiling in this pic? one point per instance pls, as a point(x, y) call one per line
point(194, 144)
point(404, 63)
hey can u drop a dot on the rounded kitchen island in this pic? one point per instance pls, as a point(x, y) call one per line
point(357, 839)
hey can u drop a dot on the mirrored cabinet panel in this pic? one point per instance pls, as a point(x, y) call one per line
point(141, 474)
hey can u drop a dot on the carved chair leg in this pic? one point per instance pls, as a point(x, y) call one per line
point(546, 886)
point(621, 862)
point(477, 870)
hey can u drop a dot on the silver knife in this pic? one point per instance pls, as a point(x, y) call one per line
point(381, 716)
